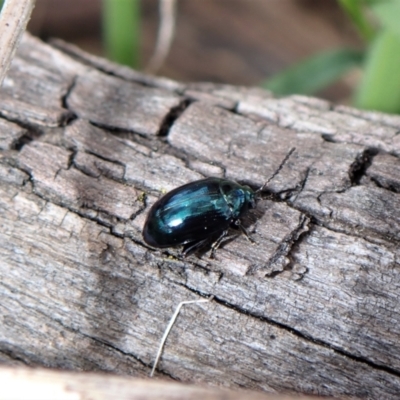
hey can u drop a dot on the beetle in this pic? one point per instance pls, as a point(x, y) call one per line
point(198, 214)
point(201, 212)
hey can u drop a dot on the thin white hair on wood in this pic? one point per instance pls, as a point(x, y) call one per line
point(169, 327)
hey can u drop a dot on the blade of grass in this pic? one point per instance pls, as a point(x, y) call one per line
point(388, 13)
point(380, 86)
point(121, 24)
point(314, 73)
point(355, 11)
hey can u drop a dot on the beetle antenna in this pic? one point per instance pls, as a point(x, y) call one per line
point(262, 188)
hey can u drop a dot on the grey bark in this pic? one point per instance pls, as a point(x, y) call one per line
point(88, 146)
point(14, 17)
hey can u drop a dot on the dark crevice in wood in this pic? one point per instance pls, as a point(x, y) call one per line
point(297, 333)
point(315, 220)
point(70, 162)
point(172, 116)
point(11, 354)
point(115, 130)
point(100, 221)
point(278, 170)
point(67, 118)
point(289, 244)
point(285, 247)
point(167, 374)
point(143, 200)
point(328, 138)
point(83, 170)
point(353, 233)
point(22, 141)
point(188, 158)
point(112, 347)
point(33, 132)
point(390, 188)
point(63, 120)
point(153, 143)
point(117, 349)
point(150, 142)
point(64, 100)
point(158, 145)
point(97, 220)
point(103, 173)
point(286, 195)
point(99, 156)
point(302, 185)
point(102, 342)
point(360, 165)
point(253, 314)
point(30, 180)
point(14, 120)
point(70, 329)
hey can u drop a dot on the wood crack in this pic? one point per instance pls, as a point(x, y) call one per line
point(12, 354)
point(360, 165)
point(295, 332)
point(172, 116)
point(112, 347)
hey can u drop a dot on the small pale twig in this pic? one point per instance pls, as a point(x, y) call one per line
point(166, 31)
point(14, 17)
point(169, 327)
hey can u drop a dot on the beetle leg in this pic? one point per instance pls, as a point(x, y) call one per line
point(246, 233)
point(237, 224)
point(192, 247)
point(218, 243)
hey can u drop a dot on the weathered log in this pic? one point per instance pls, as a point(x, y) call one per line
point(88, 146)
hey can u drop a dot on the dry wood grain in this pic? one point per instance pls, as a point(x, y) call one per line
point(14, 17)
point(313, 307)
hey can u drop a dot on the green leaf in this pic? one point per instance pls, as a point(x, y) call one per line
point(314, 73)
point(380, 86)
point(121, 24)
point(355, 11)
point(388, 13)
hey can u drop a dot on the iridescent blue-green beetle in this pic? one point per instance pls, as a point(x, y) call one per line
point(198, 214)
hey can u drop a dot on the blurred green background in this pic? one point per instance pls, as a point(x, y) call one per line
point(347, 51)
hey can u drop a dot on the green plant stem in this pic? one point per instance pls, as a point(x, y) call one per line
point(354, 10)
point(314, 73)
point(388, 14)
point(380, 86)
point(121, 26)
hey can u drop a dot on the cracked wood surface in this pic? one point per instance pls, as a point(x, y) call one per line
point(87, 147)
